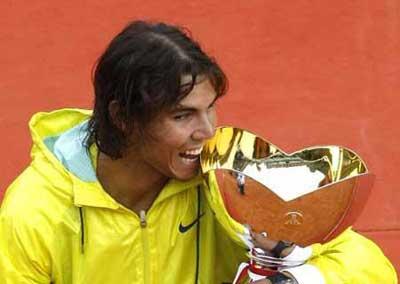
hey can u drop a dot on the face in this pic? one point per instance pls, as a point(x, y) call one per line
point(178, 135)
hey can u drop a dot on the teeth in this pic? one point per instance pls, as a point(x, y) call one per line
point(193, 152)
point(189, 161)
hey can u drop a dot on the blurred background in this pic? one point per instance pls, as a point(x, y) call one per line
point(301, 73)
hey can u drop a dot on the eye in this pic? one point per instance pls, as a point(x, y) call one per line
point(181, 116)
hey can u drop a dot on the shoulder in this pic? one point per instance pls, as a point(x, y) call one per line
point(32, 200)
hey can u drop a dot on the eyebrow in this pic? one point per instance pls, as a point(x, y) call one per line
point(180, 107)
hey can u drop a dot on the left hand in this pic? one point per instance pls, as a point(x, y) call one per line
point(267, 244)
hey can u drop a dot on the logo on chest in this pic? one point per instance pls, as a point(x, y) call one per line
point(184, 228)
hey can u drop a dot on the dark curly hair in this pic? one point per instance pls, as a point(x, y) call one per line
point(141, 72)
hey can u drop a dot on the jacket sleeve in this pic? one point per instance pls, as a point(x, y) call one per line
point(352, 259)
point(24, 257)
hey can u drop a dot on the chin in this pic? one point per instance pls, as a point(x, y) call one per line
point(185, 176)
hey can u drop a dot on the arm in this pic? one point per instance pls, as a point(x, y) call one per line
point(348, 259)
point(352, 258)
point(24, 257)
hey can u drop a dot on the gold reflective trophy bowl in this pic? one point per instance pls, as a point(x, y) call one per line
point(308, 196)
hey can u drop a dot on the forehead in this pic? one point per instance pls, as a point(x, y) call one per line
point(199, 100)
point(202, 95)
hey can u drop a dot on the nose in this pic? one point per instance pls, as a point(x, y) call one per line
point(205, 129)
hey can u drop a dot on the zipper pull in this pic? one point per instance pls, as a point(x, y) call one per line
point(143, 222)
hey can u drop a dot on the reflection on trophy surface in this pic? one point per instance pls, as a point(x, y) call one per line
point(307, 196)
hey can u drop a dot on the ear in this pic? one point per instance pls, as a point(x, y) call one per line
point(113, 110)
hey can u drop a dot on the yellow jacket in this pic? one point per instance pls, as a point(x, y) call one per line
point(57, 225)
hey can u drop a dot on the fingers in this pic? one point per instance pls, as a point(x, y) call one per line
point(262, 281)
point(261, 241)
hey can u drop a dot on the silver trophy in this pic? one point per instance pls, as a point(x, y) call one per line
point(307, 196)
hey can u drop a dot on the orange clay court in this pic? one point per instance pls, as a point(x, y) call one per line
point(301, 73)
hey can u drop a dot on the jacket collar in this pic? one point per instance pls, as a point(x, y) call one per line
point(92, 193)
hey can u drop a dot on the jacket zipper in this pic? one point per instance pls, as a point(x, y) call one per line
point(145, 245)
point(143, 222)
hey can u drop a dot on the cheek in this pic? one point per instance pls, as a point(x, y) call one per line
point(172, 139)
point(212, 116)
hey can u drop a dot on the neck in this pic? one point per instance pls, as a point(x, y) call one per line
point(133, 184)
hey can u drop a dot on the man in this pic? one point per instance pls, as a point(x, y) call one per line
point(115, 196)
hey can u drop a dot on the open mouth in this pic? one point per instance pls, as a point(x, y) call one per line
point(190, 156)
